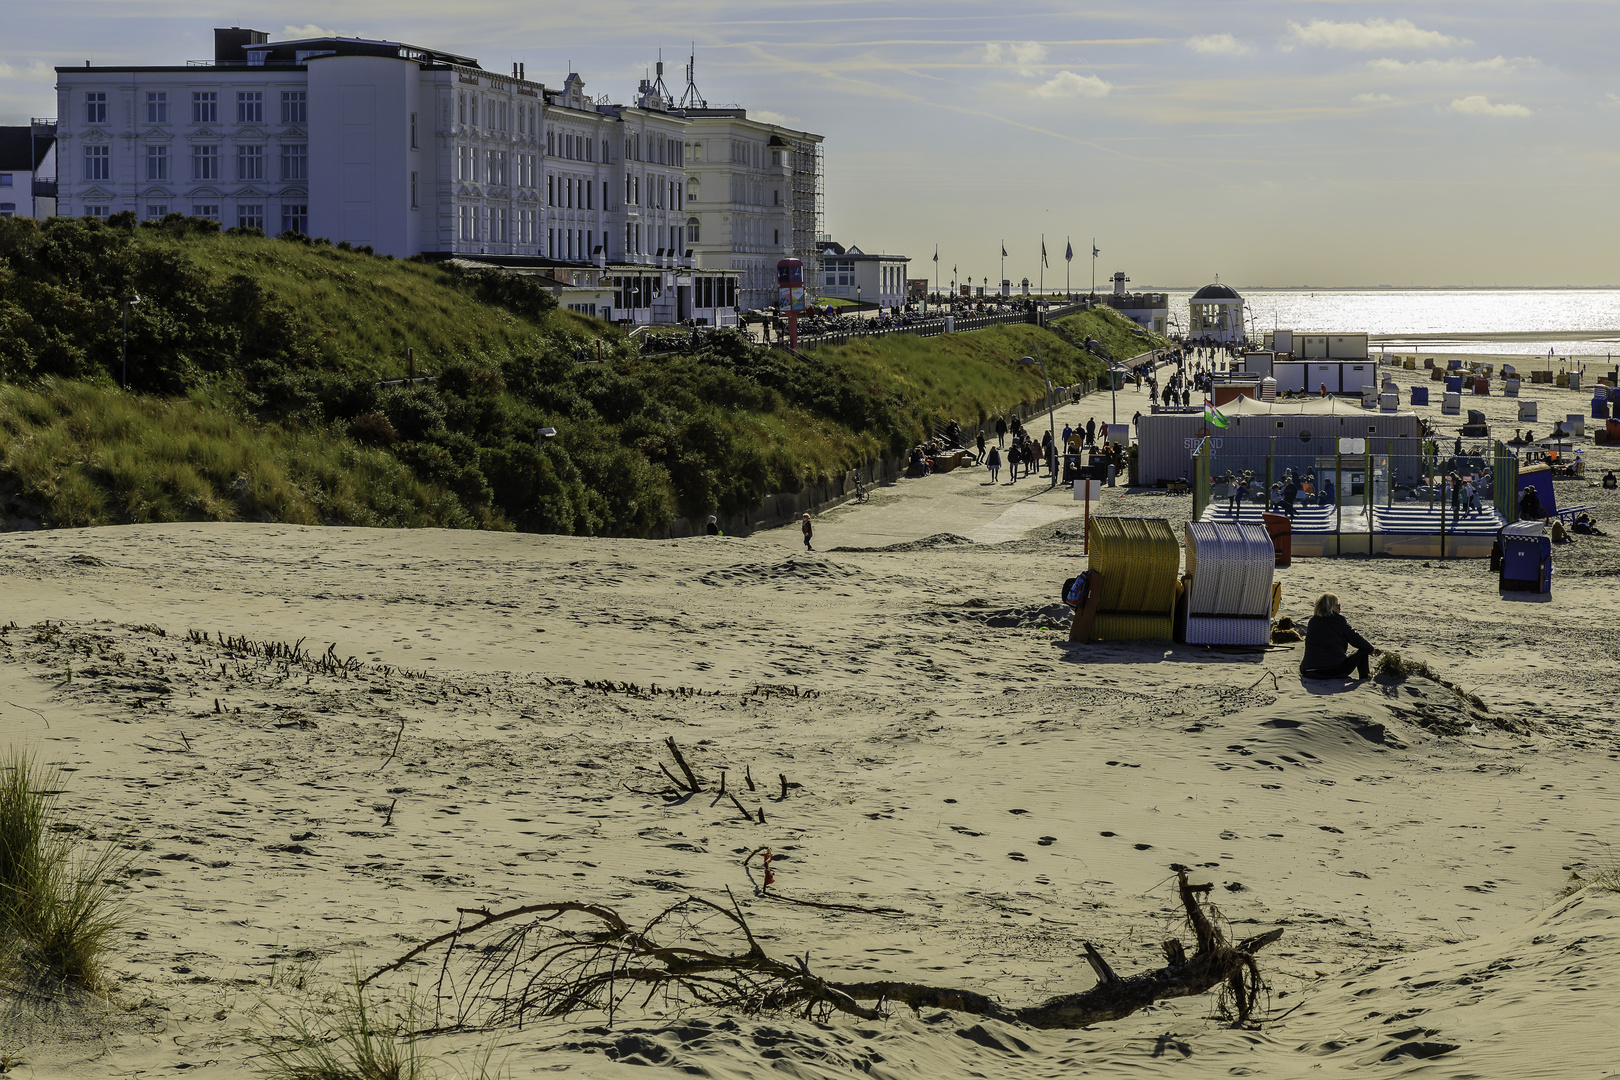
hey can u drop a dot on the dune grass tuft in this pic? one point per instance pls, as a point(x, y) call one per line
point(349, 1035)
point(56, 911)
point(1394, 667)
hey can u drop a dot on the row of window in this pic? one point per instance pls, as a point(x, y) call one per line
point(205, 163)
point(496, 225)
point(572, 147)
point(498, 115)
point(205, 107)
point(633, 236)
point(571, 193)
point(572, 244)
point(294, 216)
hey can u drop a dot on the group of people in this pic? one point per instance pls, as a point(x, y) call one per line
point(1284, 496)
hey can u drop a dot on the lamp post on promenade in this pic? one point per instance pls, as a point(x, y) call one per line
point(1050, 406)
point(123, 339)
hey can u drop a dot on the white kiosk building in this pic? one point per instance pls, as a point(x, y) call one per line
point(1216, 314)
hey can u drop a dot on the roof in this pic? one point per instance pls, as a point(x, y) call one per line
point(1311, 406)
point(18, 152)
point(1216, 292)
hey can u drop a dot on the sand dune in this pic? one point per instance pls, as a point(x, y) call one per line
point(1012, 795)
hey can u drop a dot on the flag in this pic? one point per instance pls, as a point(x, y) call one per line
point(1043, 252)
point(1068, 254)
point(1212, 415)
point(936, 253)
point(1094, 251)
point(1004, 249)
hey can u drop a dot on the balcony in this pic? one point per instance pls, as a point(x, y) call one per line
point(45, 187)
point(43, 127)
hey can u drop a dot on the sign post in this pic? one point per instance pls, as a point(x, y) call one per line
point(1087, 490)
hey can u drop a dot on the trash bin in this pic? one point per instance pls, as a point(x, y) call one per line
point(1282, 537)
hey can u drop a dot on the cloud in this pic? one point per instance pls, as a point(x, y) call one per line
point(1023, 56)
point(767, 116)
point(308, 30)
point(1449, 68)
point(1480, 105)
point(1373, 99)
point(33, 71)
point(1217, 45)
point(1066, 84)
point(1370, 35)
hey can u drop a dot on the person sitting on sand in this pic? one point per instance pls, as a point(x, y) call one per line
point(714, 526)
point(1610, 483)
point(1328, 637)
point(1586, 526)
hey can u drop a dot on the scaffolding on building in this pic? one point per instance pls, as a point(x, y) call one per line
point(807, 208)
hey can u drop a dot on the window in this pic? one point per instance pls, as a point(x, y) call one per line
point(6, 180)
point(8, 209)
point(295, 217)
point(205, 210)
point(156, 211)
point(250, 107)
point(776, 236)
point(250, 216)
point(250, 163)
point(95, 108)
point(551, 191)
point(295, 161)
point(588, 186)
point(157, 107)
point(691, 189)
point(413, 191)
point(776, 197)
point(97, 211)
point(204, 107)
point(461, 112)
point(98, 163)
point(413, 131)
point(205, 163)
point(473, 110)
point(294, 107)
point(551, 143)
point(691, 230)
point(157, 162)
point(604, 197)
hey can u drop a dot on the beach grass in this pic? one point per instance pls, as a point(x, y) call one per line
point(88, 454)
point(57, 910)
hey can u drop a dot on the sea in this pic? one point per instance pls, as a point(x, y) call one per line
point(1581, 323)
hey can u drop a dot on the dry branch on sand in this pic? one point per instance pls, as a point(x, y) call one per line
point(560, 959)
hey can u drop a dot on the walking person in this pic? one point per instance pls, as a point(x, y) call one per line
point(1001, 432)
point(804, 527)
point(994, 461)
point(979, 458)
point(1091, 431)
point(1328, 637)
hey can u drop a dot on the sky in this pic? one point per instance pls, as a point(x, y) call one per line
point(1267, 142)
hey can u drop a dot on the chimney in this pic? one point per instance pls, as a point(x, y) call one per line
point(228, 44)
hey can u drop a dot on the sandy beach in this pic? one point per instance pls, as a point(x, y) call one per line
point(951, 756)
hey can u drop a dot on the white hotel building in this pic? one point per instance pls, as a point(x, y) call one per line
point(413, 150)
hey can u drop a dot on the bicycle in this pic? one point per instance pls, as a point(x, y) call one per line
point(861, 494)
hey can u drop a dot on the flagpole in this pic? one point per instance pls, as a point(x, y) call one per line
point(1094, 267)
point(1041, 288)
point(1003, 264)
point(1067, 262)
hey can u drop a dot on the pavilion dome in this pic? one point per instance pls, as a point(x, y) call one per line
point(1216, 292)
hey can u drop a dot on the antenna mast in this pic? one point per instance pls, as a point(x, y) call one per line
point(692, 99)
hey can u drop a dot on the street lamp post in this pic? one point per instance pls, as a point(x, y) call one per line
point(1051, 405)
point(123, 340)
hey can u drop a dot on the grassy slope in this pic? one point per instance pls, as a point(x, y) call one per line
point(970, 376)
point(641, 440)
point(367, 310)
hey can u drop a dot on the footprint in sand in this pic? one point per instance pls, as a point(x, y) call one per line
point(1017, 856)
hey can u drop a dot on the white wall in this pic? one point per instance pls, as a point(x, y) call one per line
point(360, 158)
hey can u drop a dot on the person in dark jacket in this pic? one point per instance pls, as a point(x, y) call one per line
point(1328, 636)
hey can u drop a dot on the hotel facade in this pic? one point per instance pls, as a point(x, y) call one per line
point(417, 151)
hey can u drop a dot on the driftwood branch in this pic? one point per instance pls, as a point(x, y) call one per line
point(561, 959)
point(680, 759)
